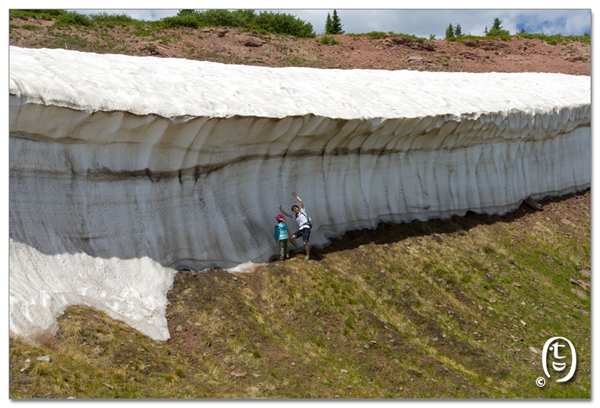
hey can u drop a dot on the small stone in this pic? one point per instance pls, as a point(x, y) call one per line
point(517, 284)
point(44, 358)
point(566, 221)
point(579, 293)
point(343, 370)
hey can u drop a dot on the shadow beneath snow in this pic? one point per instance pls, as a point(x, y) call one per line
point(387, 233)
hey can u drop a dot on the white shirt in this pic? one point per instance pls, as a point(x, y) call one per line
point(302, 219)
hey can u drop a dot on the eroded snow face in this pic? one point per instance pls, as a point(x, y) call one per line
point(124, 169)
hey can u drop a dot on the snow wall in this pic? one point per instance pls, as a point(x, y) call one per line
point(125, 169)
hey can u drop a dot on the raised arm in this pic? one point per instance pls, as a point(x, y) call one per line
point(299, 200)
point(284, 213)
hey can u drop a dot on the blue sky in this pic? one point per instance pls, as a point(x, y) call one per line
point(419, 22)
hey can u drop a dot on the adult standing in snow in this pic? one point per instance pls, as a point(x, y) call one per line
point(303, 225)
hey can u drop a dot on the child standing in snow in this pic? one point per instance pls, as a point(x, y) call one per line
point(281, 235)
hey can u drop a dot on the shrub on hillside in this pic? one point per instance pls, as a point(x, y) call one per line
point(328, 40)
point(111, 18)
point(49, 13)
point(73, 19)
point(266, 21)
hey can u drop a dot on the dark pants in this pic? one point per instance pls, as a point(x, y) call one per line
point(283, 249)
point(304, 233)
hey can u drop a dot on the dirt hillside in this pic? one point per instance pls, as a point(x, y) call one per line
point(238, 46)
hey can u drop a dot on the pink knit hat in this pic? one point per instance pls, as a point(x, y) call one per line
point(280, 218)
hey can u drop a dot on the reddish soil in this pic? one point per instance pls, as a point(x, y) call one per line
point(237, 46)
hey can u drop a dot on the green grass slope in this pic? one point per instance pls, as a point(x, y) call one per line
point(456, 308)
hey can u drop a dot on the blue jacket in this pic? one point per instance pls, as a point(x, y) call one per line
point(281, 231)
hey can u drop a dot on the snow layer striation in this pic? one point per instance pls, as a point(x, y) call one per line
point(125, 169)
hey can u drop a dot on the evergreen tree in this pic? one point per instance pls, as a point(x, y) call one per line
point(333, 24)
point(458, 31)
point(450, 31)
point(497, 24)
point(328, 24)
point(496, 30)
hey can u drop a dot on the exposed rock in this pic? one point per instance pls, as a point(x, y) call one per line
point(533, 204)
point(583, 284)
point(492, 45)
point(251, 41)
point(469, 55)
point(413, 43)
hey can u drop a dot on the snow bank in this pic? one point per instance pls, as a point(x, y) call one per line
point(125, 169)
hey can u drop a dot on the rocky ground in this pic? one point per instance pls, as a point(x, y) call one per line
point(238, 46)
